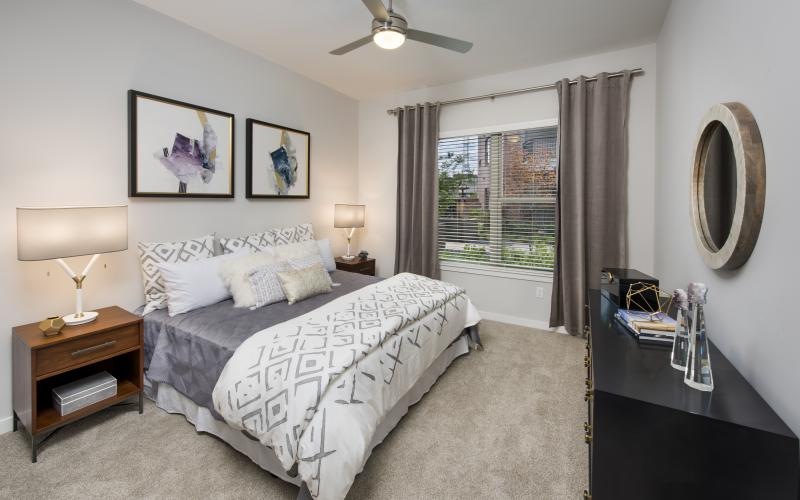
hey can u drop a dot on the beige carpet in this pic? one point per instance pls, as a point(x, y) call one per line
point(505, 422)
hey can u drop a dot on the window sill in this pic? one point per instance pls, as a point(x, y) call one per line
point(463, 267)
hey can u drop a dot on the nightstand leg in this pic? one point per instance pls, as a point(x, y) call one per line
point(34, 444)
point(16, 422)
point(141, 402)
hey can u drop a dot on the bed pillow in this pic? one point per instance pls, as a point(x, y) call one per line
point(308, 261)
point(265, 284)
point(327, 255)
point(292, 234)
point(194, 284)
point(152, 254)
point(235, 275)
point(304, 283)
point(258, 242)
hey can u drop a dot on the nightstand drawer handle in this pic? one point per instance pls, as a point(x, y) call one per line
point(87, 350)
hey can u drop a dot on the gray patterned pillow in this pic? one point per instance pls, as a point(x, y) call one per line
point(266, 285)
point(293, 234)
point(258, 242)
point(152, 254)
point(304, 283)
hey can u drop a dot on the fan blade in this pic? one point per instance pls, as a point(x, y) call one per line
point(439, 40)
point(377, 9)
point(352, 46)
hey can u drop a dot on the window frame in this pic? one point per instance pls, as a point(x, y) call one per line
point(493, 270)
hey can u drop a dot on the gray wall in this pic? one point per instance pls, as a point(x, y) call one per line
point(736, 50)
point(66, 68)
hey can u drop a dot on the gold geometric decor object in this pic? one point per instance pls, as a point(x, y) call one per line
point(648, 298)
point(51, 326)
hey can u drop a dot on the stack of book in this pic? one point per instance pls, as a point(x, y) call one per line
point(647, 328)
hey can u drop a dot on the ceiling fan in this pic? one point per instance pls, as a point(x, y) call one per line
point(390, 30)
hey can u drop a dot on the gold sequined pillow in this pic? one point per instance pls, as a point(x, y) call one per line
point(299, 284)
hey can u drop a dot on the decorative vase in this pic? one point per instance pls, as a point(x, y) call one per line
point(698, 366)
point(680, 346)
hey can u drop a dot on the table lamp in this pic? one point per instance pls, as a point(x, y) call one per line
point(348, 217)
point(60, 232)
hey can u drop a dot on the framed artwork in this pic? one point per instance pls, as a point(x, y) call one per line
point(278, 161)
point(176, 149)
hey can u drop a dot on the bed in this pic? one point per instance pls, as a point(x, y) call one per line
point(204, 365)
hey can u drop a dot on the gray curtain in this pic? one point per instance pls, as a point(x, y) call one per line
point(416, 250)
point(591, 216)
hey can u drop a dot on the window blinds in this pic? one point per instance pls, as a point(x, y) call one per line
point(497, 199)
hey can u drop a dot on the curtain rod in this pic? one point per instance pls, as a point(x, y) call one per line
point(635, 71)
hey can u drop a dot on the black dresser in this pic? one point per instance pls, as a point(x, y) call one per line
point(650, 436)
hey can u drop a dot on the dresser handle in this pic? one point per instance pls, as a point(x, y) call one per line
point(588, 395)
point(587, 428)
point(587, 361)
point(87, 350)
point(588, 382)
point(586, 495)
point(588, 438)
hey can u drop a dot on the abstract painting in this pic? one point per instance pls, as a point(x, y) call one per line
point(178, 149)
point(278, 161)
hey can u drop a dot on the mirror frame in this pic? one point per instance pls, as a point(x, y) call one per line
point(751, 181)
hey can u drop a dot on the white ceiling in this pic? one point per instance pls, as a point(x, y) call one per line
point(508, 35)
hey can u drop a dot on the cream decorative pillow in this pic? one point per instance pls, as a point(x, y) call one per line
point(308, 261)
point(152, 254)
point(235, 274)
point(265, 283)
point(304, 283)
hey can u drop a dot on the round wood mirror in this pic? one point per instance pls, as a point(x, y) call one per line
point(728, 186)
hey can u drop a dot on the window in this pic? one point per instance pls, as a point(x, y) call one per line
point(497, 199)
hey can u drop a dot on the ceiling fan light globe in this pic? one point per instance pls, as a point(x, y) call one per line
point(388, 39)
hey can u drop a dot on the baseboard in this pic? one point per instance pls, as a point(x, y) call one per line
point(6, 424)
point(515, 320)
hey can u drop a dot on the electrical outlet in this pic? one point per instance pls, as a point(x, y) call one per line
point(539, 292)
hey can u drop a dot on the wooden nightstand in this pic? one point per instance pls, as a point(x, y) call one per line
point(357, 265)
point(112, 343)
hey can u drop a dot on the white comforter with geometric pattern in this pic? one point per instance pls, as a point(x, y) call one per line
point(315, 388)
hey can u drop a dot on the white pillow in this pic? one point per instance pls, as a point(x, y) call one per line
point(296, 250)
point(234, 274)
point(327, 255)
point(194, 284)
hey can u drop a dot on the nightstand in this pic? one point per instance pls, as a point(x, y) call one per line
point(357, 265)
point(112, 343)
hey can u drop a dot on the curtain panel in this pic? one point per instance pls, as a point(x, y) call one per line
point(591, 216)
point(416, 247)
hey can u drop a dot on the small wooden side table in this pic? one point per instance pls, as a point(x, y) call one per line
point(112, 343)
point(357, 265)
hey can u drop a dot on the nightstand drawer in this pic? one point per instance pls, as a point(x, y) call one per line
point(80, 350)
point(365, 268)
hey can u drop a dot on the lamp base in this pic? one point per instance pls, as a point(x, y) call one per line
point(348, 257)
point(74, 319)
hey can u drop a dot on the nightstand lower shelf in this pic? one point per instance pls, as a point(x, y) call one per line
point(48, 418)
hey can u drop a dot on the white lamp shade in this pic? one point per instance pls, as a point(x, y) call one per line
point(348, 215)
point(53, 233)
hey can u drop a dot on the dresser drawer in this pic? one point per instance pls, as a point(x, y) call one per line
point(80, 350)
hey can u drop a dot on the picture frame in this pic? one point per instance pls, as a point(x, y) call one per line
point(178, 150)
point(268, 143)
